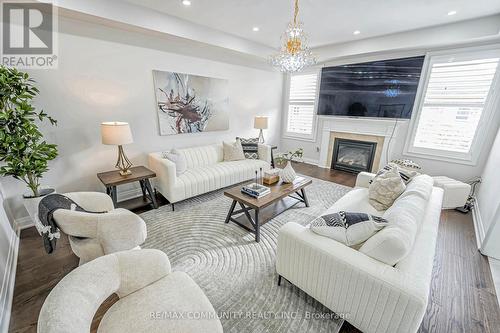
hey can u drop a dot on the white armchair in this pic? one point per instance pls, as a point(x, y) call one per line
point(149, 293)
point(92, 235)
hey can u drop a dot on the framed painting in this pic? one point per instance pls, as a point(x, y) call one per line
point(190, 103)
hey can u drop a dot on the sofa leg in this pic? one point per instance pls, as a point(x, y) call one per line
point(173, 207)
point(279, 280)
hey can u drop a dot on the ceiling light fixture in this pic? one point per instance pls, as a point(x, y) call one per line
point(255, 29)
point(294, 53)
point(452, 12)
point(356, 32)
point(186, 2)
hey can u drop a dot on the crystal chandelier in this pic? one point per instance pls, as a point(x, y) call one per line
point(294, 54)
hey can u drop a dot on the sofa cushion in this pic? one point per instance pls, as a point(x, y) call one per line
point(250, 147)
point(178, 159)
point(159, 307)
point(233, 151)
point(199, 156)
point(347, 227)
point(208, 178)
point(355, 200)
point(394, 242)
point(385, 188)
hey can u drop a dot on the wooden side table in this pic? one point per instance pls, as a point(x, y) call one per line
point(141, 174)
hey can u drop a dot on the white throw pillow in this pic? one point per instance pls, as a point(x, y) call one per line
point(385, 189)
point(233, 151)
point(177, 159)
point(348, 228)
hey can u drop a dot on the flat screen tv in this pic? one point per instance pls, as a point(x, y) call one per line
point(383, 89)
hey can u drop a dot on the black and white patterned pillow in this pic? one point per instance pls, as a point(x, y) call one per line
point(348, 228)
point(407, 164)
point(250, 147)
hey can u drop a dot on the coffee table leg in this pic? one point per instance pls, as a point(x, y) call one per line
point(304, 196)
point(257, 226)
point(231, 210)
point(149, 189)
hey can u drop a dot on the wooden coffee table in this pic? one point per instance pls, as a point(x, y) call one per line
point(256, 212)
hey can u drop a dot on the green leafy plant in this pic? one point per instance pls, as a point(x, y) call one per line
point(23, 151)
point(293, 156)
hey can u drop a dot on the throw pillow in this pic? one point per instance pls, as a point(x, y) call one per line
point(177, 159)
point(406, 164)
point(348, 228)
point(406, 174)
point(385, 189)
point(233, 151)
point(250, 147)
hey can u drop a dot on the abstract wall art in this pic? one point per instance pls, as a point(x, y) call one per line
point(190, 103)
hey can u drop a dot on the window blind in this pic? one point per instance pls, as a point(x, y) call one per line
point(301, 104)
point(454, 100)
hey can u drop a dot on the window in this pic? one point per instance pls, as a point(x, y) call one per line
point(300, 120)
point(455, 103)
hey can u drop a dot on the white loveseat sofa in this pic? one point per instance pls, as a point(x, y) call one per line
point(372, 295)
point(206, 171)
point(153, 299)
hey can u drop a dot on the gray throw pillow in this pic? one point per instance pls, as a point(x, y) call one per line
point(348, 228)
point(177, 159)
point(250, 147)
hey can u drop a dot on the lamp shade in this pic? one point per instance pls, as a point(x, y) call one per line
point(116, 133)
point(260, 122)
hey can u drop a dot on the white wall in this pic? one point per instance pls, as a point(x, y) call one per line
point(432, 167)
point(8, 260)
point(488, 203)
point(105, 74)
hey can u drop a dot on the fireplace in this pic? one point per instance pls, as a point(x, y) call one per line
point(353, 155)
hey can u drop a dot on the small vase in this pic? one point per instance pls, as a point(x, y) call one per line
point(287, 174)
point(31, 203)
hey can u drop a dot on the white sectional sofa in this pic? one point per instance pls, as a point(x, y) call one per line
point(372, 295)
point(206, 171)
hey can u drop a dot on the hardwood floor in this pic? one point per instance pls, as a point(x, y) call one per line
point(462, 296)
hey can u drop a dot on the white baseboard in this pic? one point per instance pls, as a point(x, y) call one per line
point(23, 223)
point(478, 224)
point(7, 290)
point(310, 161)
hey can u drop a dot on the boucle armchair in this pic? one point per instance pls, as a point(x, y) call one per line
point(92, 235)
point(152, 298)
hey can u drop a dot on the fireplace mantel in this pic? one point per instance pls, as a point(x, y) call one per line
point(364, 126)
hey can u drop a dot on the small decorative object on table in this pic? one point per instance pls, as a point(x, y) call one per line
point(118, 133)
point(287, 175)
point(256, 190)
point(271, 176)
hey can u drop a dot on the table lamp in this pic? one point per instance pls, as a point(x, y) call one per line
point(118, 133)
point(260, 123)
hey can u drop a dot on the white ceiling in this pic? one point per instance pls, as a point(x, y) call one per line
point(325, 21)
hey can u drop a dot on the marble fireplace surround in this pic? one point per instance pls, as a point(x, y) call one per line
point(362, 129)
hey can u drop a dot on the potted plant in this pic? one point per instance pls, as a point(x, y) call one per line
point(287, 174)
point(23, 151)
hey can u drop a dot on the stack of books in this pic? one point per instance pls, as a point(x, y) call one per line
point(255, 190)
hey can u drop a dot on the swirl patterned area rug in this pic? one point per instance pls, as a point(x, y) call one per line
point(237, 274)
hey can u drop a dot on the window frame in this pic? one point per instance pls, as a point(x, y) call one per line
point(485, 122)
point(286, 103)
